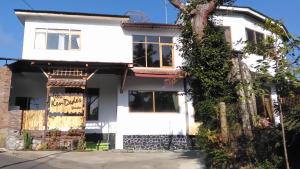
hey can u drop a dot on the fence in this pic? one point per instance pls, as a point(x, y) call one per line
point(33, 120)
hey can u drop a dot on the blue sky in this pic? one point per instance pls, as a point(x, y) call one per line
point(11, 30)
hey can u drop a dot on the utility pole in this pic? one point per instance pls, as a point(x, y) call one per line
point(166, 11)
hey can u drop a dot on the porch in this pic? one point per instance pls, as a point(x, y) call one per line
point(66, 97)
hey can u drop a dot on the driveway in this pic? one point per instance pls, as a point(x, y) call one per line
point(101, 160)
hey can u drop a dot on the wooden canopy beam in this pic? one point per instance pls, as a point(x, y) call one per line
point(123, 79)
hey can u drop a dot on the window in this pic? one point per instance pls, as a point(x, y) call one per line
point(153, 101)
point(27, 103)
point(57, 39)
point(227, 33)
point(92, 104)
point(253, 36)
point(152, 51)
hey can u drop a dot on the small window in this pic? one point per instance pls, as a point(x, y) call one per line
point(75, 39)
point(93, 104)
point(152, 51)
point(167, 55)
point(166, 102)
point(153, 59)
point(140, 101)
point(153, 39)
point(166, 39)
point(253, 36)
point(153, 101)
point(139, 38)
point(250, 35)
point(139, 57)
point(259, 37)
point(40, 39)
point(57, 39)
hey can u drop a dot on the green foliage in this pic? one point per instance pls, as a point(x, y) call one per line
point(217, 153)
point(27, 140)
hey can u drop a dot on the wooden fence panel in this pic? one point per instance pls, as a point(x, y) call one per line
point(33, 120)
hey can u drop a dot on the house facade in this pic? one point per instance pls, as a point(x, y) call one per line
point(128, 74)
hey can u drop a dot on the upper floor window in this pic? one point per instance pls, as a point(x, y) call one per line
point(153, 51)
point(57, 39)
point(254, 36)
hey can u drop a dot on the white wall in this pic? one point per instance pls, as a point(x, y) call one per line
point(101, 41)
point(149, 123)
point(107, 85)
point(238, 25)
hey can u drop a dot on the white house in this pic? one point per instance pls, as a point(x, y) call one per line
point(126, 69)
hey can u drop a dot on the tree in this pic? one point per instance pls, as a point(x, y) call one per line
point(281, 53)
point(198, 12)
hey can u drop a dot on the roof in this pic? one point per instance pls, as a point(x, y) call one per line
point(22, 14)
point(248, 11)
point(151, 25)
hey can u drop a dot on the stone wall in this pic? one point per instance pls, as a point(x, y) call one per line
point(155, 142)
point(5, 83)
point(14, 139)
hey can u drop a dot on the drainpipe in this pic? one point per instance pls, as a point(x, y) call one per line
point(186, 107)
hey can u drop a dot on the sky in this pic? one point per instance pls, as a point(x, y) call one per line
point(11, 30)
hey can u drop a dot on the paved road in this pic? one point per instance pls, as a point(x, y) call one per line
point(100, 160)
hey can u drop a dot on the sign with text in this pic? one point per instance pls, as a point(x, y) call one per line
point(72, 103)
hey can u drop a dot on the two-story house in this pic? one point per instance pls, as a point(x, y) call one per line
point(128, 74)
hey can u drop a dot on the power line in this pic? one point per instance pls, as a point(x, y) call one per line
point(27, 4)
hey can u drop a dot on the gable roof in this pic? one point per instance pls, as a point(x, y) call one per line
point(24, 14)
point(249, 12)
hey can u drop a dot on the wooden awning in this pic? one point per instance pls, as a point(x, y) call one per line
point(158, 72)
point(63, 82)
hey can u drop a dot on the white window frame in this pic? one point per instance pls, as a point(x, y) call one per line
point(70, 32)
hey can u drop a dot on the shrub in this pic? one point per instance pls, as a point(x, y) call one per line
point(27, 140)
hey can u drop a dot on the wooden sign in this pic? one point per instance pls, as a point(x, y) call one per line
point(66, 103)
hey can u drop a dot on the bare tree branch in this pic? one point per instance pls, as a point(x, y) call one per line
point(178, 4)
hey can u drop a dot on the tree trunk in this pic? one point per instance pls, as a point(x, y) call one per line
point(223, 122)
point(237, 74)
point(246, 80)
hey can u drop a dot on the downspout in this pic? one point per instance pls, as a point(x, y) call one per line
point(186, 108)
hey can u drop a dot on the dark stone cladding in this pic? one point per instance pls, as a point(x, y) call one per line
point(155, 142)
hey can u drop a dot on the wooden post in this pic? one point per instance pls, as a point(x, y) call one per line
point(46, 112)
point(223, 122)
point(84, 106)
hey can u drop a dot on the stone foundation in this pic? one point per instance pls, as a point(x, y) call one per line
point(14, 139)
point(155, 142)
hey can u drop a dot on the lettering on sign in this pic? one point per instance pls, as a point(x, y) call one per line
point(66, 104)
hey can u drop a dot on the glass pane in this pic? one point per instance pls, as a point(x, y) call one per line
point(250, 36)
point(153, 55)
point(75, 41)
point(52, 40)
point(167, 55)
point(166, 39)
point(37, 104)
point(92, 104)
point(152, 39)
point(64, 41)
point(139, 55)
point(166, 102)
point(259, 36)
point(40, 40)
point(138, 38)
point(140, 101)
